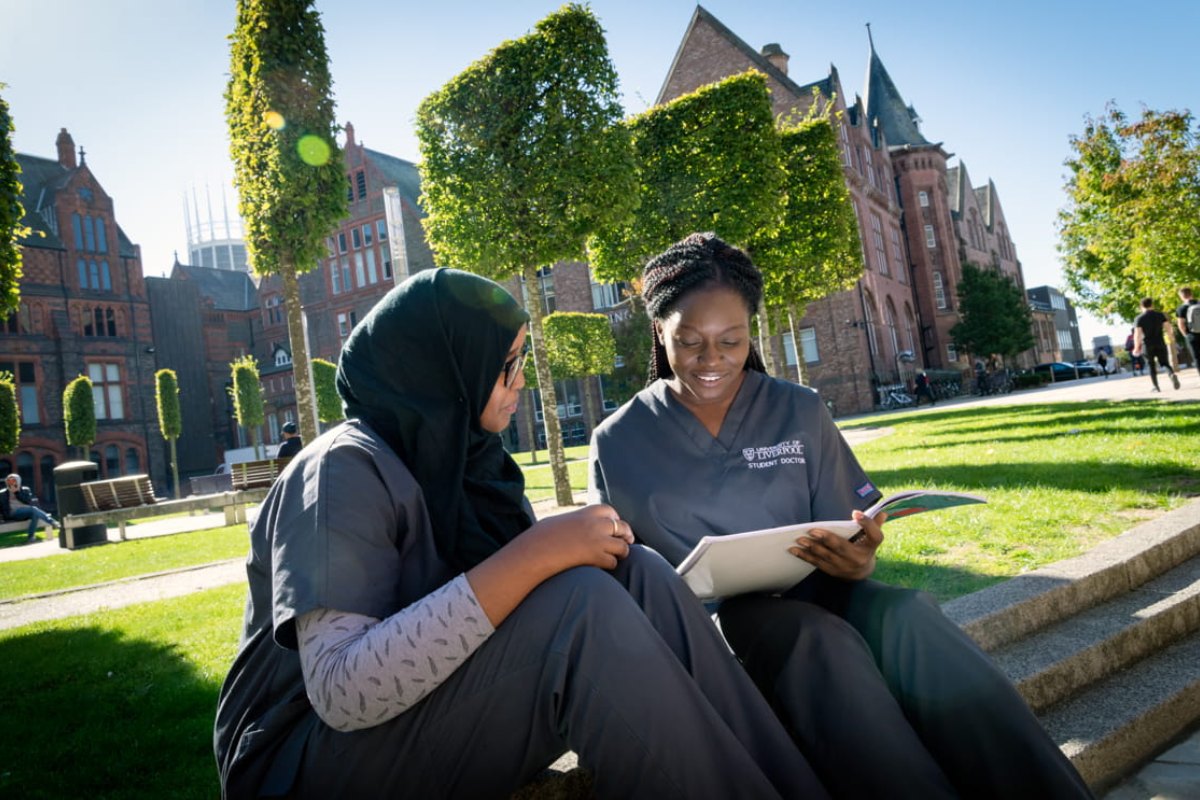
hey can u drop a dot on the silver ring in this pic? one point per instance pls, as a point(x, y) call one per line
point(616, 527)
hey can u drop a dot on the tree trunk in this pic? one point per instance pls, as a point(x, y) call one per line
point(801, 366)
point(258, 446)
point(533, 445)
point(175, 470)
point(554, 445)
point(764, 338)
point(775, 365)
point(302, 384)
point(591, 415)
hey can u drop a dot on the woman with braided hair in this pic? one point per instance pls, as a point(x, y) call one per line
point(881, 692)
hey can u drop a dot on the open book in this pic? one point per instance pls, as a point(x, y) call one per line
point(759, 561)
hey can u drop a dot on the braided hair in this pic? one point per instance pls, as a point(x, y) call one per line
point(699, 261)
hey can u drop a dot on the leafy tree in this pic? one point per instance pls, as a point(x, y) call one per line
point(994, 313)
point(79, 414)
point(580, 345)
point(248, 399)
point(708, 161)
point(329, 404)
point(631, 337)
point(522, 159)
point(287, 165)
point(10, 418)
point(170, 419)
point(11, 214)
point(1132, 219)
point(815, 251)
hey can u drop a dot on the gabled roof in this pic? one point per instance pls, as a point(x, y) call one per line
point(886, 108)
point(41, 179)
point(985, 196)
point(403, 174)
point(229, 289)
point(825, 85)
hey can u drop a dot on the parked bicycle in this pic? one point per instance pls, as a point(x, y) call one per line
point(892, 397)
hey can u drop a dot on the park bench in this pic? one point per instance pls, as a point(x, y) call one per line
point(257, 474)
point(120, 500)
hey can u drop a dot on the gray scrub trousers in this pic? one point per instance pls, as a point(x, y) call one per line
point(625, 667)
point(883, 694)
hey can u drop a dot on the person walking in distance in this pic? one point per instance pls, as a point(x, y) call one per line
point(1187, 318)
point(1150, 330)
point(1102, 362)
point(292, 443)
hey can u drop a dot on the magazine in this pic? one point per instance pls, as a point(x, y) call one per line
point(759, 561)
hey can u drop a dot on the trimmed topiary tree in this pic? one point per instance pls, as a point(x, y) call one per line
point(579, 346)
point(79, 414)
point(248, 399)
point(329, 404)
point(170, 420)
point(11, 214)
point(10, 417)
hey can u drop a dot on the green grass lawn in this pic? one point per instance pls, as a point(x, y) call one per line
point(121, 560)
point(120, 704)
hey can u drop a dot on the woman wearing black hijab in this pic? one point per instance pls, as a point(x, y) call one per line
point(412, 631)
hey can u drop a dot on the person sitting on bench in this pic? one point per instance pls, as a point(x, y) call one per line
point(19, 504)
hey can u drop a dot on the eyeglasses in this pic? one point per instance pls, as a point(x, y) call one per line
point(513, 367)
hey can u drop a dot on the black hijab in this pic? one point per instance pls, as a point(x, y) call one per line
point(419, 369)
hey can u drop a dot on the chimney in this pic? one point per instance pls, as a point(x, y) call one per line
point(66, 149)
point(774, 53)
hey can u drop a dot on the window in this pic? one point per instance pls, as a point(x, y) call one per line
point(20, 321)
point(845, 134)
point(329, 246)
point(939, 291)
point(870, 169)
point(25, 468)
point(366, 234)
point(360, 269)
point(345, 325)
point(360, 181)
point(546, 279)
point(25, 375)
point(877, 236)
point(605, 295)
point(1064, 341)
point(112, 461)
point(923, 199)
point(273, 425)
point(77, 229)
point(930, 241)
point(83, 273)
point(889, 319)
point(89, 235)
point(335, 277)
point(347, 285)
point(105, 277)
point(282, 359)
point(808, 345)
point(862, 241)
point(133, 462)
point(349, 190)
point(869, 313)
point(372, 274)
point(951, 353)
point(342, 242)
point(273, 310)
point(898, 255)
point(381, 230)
point(99, 321)
point(101, 237)
point(106, 390)
point(355, 238)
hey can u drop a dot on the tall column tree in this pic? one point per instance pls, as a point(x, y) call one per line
point(522, 158)
point(170, 419)
point(79, 414)
point(10, 417)
point(287, 165)
point(329, 404)
point(11, 214)
point(581, 346)
point(248, 399)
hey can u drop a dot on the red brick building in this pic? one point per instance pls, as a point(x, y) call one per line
point(84, 311)
point(918, 220)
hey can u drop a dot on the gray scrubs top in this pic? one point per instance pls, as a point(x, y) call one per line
point(779, 459)
point(344, 527)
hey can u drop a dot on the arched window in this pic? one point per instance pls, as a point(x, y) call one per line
point(94, 457)
point(133, 462)
point(910, 325)
point(869, 313)
point(112, 461)
point(25, 469)
point(889, 319)
point(47, 492)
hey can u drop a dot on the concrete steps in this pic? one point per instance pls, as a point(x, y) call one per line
point(1105, 647)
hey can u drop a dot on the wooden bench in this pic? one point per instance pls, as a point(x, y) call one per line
point(257, 474)
point(116, 501)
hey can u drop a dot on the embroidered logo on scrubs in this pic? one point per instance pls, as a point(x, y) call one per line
point(865, 489)
point(789, 452)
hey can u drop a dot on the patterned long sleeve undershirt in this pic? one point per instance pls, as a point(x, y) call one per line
point(360, 671)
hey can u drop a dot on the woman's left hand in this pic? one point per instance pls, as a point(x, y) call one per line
point(842, 558)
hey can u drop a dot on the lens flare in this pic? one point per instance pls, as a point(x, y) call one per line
point(274, 120)
point(313, 150)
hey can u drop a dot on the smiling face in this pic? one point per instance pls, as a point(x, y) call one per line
point(503, 402)
point(707, 339)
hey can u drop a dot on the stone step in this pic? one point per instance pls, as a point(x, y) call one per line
point(1121, 721)
point(1056, 662)
point(1014, 609)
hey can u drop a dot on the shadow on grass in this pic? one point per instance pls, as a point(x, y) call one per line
point(92, 713)
point(944, 583)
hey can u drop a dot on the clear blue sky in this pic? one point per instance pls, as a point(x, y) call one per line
point(139, 83)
